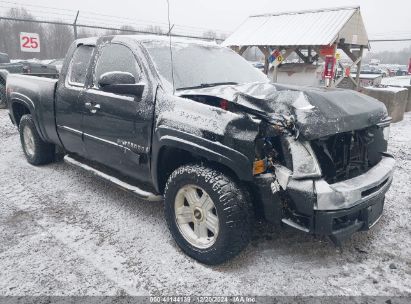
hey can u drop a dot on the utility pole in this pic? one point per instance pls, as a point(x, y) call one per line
point(75, 25)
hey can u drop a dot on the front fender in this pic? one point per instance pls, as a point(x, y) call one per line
point(202, 148)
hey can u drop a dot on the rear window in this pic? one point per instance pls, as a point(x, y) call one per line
point(79, 64)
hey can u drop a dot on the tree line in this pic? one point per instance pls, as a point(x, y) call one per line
point(391, 57)
point(55, 39)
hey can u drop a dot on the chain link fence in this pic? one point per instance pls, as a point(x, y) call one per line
point(58, 28)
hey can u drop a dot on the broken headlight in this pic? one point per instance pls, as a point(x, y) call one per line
point(385, 126)
point(386, 132)
point(305, 163)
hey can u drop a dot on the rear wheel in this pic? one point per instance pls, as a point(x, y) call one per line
point(207, 213)
point(37, 151)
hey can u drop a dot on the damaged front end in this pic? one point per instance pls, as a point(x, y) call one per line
point(333, 185)
point(320, 161)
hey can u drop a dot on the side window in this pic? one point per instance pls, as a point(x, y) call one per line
point(79, 64)
point(116, 58)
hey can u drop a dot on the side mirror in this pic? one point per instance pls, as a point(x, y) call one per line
point(121, 83)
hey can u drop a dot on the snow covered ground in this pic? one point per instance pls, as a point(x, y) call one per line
point(65, 232)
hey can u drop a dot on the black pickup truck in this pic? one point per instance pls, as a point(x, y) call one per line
point(208, 133)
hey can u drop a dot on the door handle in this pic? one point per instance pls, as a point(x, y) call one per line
point(92, 107)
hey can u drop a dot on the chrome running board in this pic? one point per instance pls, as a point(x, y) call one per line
point(148, 196)
point(294, 225)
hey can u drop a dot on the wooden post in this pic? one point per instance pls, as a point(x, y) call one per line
point(275, 73)
point(356, 59)
point(301, 56)
point(266, 64)
point(266, 53)
point(310, 55)
point(242, 50)
point(357, 79)
point(277, 64)
point(332, 81)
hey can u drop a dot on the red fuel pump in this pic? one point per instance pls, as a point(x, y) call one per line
point(329, 67)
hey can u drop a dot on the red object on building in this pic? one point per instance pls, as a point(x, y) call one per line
point(409, 67)
point(329, 67)
point(327, 50)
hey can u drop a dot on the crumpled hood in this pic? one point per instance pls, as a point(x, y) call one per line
point(319, 112)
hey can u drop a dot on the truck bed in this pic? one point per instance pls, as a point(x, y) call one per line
point(38, 94)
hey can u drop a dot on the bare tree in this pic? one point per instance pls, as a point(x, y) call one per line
point(85, 32)
point(10, 32)
point(391, 57)
point(55, 39)
point(155, 29)
point(210, 35)
point(58, 39)
point(127, 29)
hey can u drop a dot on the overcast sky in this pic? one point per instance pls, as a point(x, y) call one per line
point(392, 18)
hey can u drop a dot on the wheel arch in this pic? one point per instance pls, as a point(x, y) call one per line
point(3, 95)
point(18, 109)
point(172, 152)
point(21, 105)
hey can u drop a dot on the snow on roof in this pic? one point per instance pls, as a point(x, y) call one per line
point(400, 81)
point(304, 28)
point(87, 41)
point(166, 39)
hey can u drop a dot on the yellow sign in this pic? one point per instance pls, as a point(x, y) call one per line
point(337, 56)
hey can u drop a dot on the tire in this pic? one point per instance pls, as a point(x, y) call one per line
point(229, 206)
point(37, 151)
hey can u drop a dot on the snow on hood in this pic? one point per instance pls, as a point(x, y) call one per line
point(318, 112)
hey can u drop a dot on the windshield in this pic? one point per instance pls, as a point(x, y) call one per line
point(201, 65)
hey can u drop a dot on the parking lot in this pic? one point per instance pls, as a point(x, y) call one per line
point(65, 232)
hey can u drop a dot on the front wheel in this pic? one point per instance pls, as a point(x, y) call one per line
point(207, 213)
point(37, 151)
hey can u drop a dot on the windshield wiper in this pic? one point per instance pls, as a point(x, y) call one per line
point(208, 85)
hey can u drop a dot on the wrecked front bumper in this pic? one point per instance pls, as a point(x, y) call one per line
point(355, 204)
point(336, 210)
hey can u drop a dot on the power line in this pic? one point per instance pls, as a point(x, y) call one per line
point(91, 17)
point(102, 27)
point(41, 6)
point(391, 33)
point(390, 40)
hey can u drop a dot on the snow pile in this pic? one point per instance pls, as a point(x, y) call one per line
point(400, 81)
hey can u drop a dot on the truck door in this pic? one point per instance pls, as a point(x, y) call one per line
point(117, 128)
point(69, 106)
